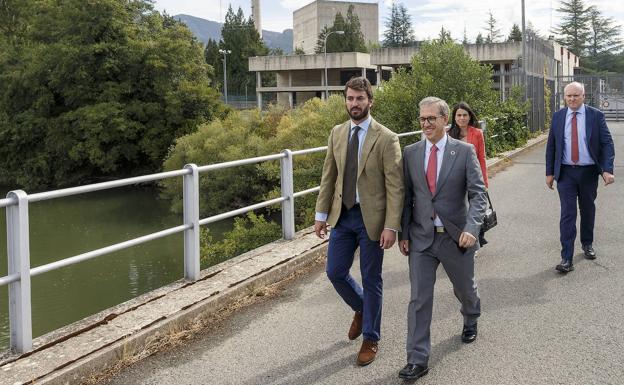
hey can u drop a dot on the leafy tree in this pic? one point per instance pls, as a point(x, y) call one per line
point(604, 34)
point(213, 58)
point(479, 39)
point(239, 35)
point(244, 134)
point(351, 41)
point(440, 69)
point(276, 51)
point(515, 34)
point(250, 232)
point(444, 36)
point(94, 90)
point(299, 51)
point(573, 31)
point(532, 31)
point(399, 32)
point(493, 33)
point(465, 38)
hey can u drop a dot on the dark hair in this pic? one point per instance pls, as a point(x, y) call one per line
point(454, 130)
point(359, 84)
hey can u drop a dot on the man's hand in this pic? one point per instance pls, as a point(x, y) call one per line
point(320, 228)
point(387, 238)
point(467, 240)
point(549, 181)
point(608, 178)
point(404, 247)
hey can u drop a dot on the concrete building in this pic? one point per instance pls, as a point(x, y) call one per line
point(309, 21)
point(302, 77)
point(544, 56)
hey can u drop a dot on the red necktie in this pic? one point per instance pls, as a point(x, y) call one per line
point(432, 169)
point(575, 149)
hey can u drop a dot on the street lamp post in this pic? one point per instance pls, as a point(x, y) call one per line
point(225, 52)
point(325, 51)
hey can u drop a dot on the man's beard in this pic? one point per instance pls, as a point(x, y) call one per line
point(355, 115)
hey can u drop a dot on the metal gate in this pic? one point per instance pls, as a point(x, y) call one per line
point(605, 92)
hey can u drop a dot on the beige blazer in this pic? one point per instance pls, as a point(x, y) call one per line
point(379, 181)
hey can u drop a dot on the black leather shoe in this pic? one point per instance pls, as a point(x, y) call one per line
point(469, 334)
point(413, 371)
point(589, 252)
point(565, 266)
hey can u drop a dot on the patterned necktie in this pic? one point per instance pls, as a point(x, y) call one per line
point(350, 171)
point(575, 148)
point(432, 169)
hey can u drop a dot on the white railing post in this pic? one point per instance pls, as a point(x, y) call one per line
point(18, 249)
point(288, 205)
point(191, 216)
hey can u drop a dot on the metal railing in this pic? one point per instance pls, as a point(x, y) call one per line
point(18, 239)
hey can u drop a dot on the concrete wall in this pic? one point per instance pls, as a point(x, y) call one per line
point(495, 51)
point(309, 21)
point(309, 62)
point(305, 27)
point(567, 59)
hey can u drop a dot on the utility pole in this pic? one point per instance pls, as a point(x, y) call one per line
point(524, 56)
point(225, 52)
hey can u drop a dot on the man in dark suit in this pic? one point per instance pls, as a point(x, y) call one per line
point(579, 149)
point(361, 196)
point(442, 215)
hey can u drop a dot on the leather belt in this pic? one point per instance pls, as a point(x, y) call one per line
point(439, 229)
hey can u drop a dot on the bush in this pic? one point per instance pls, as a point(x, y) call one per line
point(245, 134)
point(249, 233)
point(446, 71)
point(438, 69)
point(506, 127)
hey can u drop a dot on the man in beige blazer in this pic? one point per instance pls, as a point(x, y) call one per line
point(361, 197)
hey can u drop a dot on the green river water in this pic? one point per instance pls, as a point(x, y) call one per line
point(65, 227)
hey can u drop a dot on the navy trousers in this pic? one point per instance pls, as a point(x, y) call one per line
point(345, 237)
point(576, 183)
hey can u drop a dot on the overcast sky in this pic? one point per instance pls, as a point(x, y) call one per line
point(427, 16)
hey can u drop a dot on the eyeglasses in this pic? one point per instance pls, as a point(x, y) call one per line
point(430, 119)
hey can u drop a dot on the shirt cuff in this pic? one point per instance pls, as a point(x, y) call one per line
point(321, 217)
point(388, 228)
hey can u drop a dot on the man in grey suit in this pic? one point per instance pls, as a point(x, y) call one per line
point(444, 206)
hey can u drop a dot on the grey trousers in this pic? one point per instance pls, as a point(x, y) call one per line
point(422, 270)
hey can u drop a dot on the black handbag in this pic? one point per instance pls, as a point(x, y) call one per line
point(489, 219)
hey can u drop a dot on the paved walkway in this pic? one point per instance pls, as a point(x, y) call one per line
point(537, 326)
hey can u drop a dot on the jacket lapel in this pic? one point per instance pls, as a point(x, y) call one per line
point(589, 117)
point(448, 159)
point(371, 137)
point(419, 163)
point(342, 142)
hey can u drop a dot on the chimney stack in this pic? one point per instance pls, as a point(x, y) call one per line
point(255, 13)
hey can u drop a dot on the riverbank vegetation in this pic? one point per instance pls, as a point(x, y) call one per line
point(95, 90)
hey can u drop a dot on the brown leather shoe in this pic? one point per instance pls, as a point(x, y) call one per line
point(367, 352)
point(356, 326)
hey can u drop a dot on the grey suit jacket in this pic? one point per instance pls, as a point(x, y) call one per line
point(459, 200)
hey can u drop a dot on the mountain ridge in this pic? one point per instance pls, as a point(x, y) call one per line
point(207, 29)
